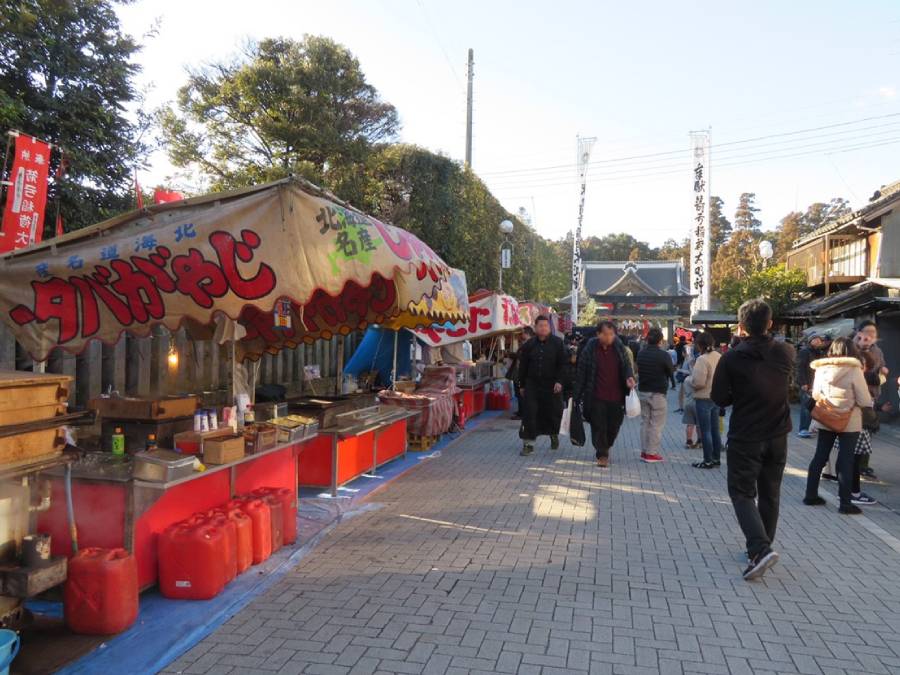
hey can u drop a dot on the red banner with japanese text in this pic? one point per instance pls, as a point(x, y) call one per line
point(26, 195)
point(489, 314)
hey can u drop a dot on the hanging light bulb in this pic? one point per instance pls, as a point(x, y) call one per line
point(173, 358)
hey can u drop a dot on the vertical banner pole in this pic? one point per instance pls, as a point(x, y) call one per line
point(585, 145)
point(700, 234)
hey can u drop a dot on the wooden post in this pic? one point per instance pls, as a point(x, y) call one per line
point(7, 349)
point(827, 264)
point(339, 367)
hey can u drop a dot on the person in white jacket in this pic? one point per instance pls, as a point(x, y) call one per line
point(701, 379)
point(840, 383)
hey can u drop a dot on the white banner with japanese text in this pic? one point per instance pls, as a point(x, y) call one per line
point(699, 265)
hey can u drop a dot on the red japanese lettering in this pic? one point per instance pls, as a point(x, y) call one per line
point(139, 290)
point(229, 252)
point(53, 299)
point(198, 278)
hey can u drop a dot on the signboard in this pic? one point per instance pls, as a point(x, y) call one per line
point(26, 195)
point(506, 257)
point(699, 265)
point(489, 314)
point(240, 255)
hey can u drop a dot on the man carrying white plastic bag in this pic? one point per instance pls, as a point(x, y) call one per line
point(603, 377)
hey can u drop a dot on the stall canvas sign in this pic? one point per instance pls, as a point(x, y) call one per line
point(26, 195)
point(238, 255)
point(493, 313)
point(700, 190)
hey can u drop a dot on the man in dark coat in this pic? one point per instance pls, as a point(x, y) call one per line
point(603, 378)
point(814, 349)
point(753, 379)
point(542, 363)
point(512, 372)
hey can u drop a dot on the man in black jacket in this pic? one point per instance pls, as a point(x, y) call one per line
point(542, 362)
point(655, 369)
point(753, 378)
point(814, 349)
point(603, 378)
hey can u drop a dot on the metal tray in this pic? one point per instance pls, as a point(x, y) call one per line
point(162, 466)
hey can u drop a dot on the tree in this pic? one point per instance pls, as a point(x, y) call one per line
point(66, 76)
point(619, 246)
point(673, 250)
point(778, 286)
point(796, 225)
point(285, 107)
point(719, 226)
point(789, 230)
point(745, 215)
point(737, 259)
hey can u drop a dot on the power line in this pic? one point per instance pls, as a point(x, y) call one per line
point(614, 160)
point(680, 166)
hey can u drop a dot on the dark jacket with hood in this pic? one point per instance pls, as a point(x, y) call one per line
point(806, 356)
point(586, 371)
point(753, 378)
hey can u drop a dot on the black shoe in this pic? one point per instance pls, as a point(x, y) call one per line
point(813, 501)
point(554, 442)
point(829, 476)
point(516, 417)
point(704, 465)
point(527, 450)
point(760, 565)
point(850, 510)
point(716, 462)
point(868, 471)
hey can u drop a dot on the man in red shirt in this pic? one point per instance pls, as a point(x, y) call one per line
point(604, 376)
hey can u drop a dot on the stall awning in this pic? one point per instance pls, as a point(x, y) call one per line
point(289, 261)
point(489, 314)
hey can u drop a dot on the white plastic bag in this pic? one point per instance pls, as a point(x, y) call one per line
point(633, 404)
point(566, 420)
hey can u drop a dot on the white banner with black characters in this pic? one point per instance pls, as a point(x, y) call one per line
point(699, 264)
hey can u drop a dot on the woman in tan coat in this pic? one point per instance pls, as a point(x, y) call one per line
point(839, 380)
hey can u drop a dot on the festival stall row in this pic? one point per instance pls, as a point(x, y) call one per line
point(264, 268)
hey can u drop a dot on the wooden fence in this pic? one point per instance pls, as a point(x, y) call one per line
point(141, 366)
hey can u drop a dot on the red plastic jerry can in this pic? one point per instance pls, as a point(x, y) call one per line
point(101, 592)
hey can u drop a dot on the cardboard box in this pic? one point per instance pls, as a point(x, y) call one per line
point(193, 442)
point(223, 449)
point(259, 438)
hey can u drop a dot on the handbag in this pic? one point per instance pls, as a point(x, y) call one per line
point(566, 420)
point(633, 404)
point(830, 417)
point(576, 427)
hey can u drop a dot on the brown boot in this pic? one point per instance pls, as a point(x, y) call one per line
point(603, 462)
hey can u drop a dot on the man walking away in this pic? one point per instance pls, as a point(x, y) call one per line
point(603, 377)
point(655, 370)
point(512, 373)
point(542, 362)
point(753, 378)
point(810, 352)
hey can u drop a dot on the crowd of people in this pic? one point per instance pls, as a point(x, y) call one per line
point(839, 383)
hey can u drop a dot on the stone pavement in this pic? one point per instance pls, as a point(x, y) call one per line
point(484, 561)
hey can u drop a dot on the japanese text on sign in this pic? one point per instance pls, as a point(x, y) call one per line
point(699, 236)
point(134, 291)
point(26, 201)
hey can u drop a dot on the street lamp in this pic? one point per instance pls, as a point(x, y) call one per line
point(765, 251)
point(506, 228)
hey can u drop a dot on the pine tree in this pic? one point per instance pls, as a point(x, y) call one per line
point(745, 215)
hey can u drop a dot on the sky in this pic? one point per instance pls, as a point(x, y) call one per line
point(802, 98)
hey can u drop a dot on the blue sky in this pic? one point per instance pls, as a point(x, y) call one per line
point(638, 76)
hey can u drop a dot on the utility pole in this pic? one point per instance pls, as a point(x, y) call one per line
point(469, 76)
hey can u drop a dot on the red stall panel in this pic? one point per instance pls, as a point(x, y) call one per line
point(355, 456)
point(314, 462)
point(391, 442)
point(273, 470)
point(99, 515)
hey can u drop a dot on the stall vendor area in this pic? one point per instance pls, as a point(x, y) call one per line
point(187, 496)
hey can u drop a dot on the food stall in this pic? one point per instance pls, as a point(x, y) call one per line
point(493, 318)
point(276, 265)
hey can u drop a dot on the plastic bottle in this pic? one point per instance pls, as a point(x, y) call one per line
point(151, 442)
point(118, 442)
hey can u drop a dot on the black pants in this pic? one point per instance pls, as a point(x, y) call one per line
point(843, 465)
point(755, 470)
point(606, 420)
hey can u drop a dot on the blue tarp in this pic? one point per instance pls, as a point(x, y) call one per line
point(376, 352)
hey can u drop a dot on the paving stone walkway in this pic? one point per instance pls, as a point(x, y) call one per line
point(484, 561)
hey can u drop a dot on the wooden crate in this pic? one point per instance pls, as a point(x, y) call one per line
point(417, 443)
point(162, 408)
point(29, 397)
